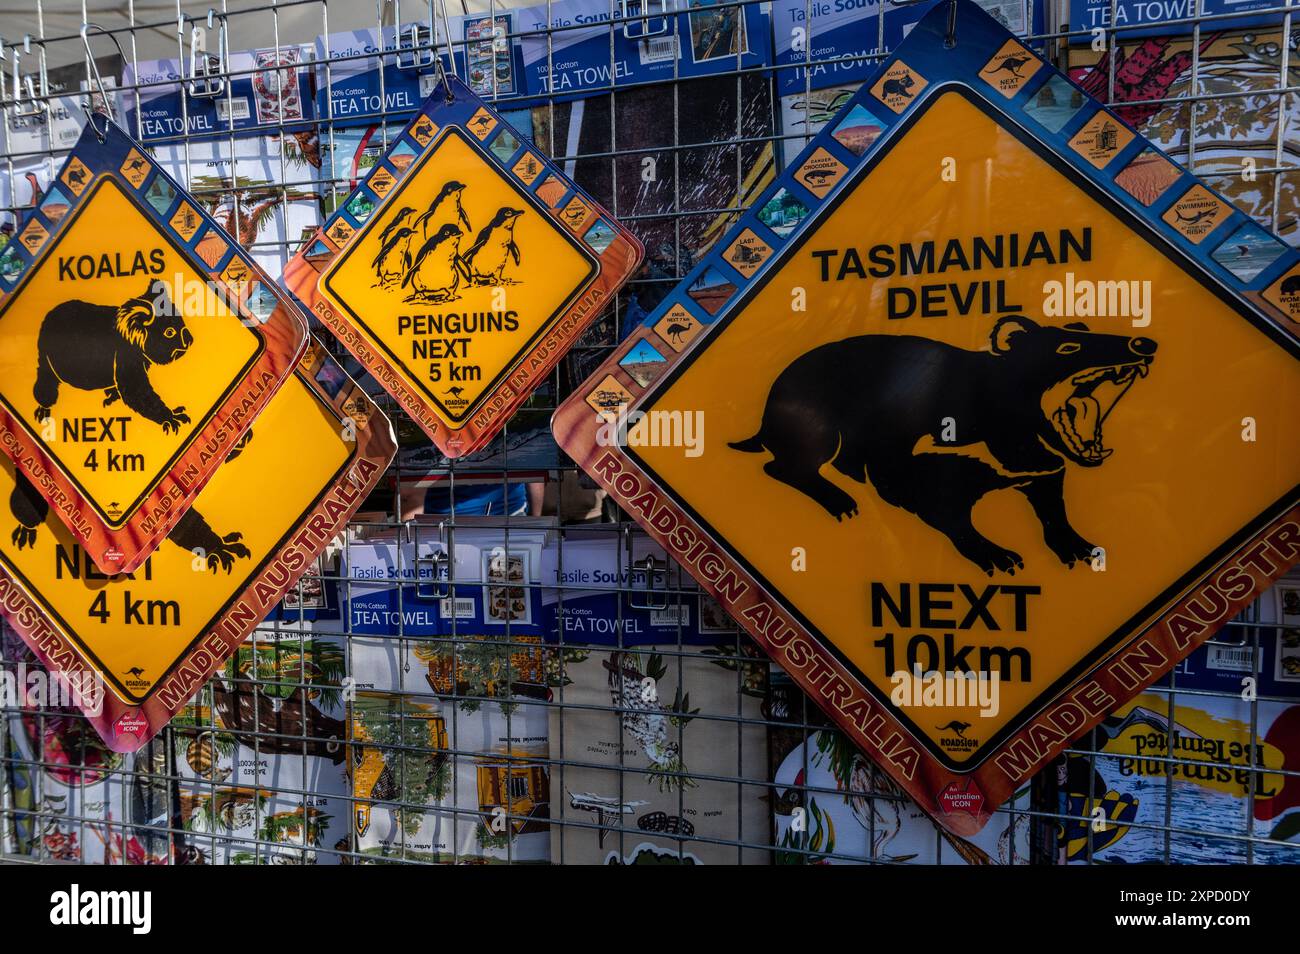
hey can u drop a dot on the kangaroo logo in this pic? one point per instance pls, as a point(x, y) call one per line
point(1011, 64)
point(1036, 401)
point(135, 672)
point(955, 726)
point(111, 348)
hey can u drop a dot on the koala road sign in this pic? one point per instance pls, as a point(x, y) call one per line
point(139, 344)
point(461, 268)
point(154, 636)
point(991, 411)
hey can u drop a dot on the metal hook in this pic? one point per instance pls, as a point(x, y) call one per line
point(438, 586)
point(39, 104)
point(212, 73)
point(442, 562)
point(97, 82)
point(451, 52)
point(950, 36)
point(418, 58)
point(651, 596)
point(653, 571)
point(646, 30)
point(446, 30)
point(389, 13)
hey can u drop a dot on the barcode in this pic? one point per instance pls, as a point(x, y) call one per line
point(241, 109)
point(671, 616)
point(1229, 657)
point(463, 608)
point(657, 49)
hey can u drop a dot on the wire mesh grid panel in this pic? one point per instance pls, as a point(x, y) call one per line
point(494, 664)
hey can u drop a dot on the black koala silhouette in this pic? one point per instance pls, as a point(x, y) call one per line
point(899, 87)
point(191, 532)
point(875, 405)
point(111, 348)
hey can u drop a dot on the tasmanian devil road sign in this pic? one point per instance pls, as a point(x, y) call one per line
point(461, 268)
point(151, 638)
point(978, 422)
point(139, 343)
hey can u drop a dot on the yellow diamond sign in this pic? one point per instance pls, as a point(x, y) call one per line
point(154, 636)
point(128, 370)
point(460, 286)
point(456, 275)
point(977, 456)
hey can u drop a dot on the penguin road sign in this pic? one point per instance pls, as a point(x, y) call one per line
point(978, 422)
point(136, 647)
point(138, 345)
point(461, 268)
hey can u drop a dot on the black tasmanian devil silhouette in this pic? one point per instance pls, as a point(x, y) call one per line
point(874, 406)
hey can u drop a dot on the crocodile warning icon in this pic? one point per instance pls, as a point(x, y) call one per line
point(129, 367)
point(975, 453)
point(458, 287)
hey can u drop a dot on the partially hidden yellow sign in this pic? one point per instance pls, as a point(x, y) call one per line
point(151, 638)
point(456, 282)
point(961, 445)
point(129, 366)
